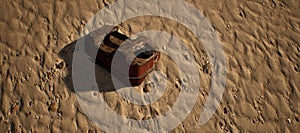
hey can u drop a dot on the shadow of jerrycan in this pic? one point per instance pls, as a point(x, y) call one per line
point(129, 60)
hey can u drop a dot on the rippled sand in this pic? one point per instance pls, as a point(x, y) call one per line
point(260, 41)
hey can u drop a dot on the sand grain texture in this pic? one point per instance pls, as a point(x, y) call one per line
point(260, 41)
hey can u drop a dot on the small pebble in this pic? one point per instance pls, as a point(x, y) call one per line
point(177, 84)
point(273, 5)
point(233, 115)
point(235, 96)
point(164, 48)
point(289, 120)
point(242, 13)
point(228, 26)
point(259, 112)
point(83, 22)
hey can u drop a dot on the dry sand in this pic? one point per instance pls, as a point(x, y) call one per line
point(260, 40)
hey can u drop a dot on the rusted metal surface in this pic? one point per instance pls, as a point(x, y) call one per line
point(141, 65)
